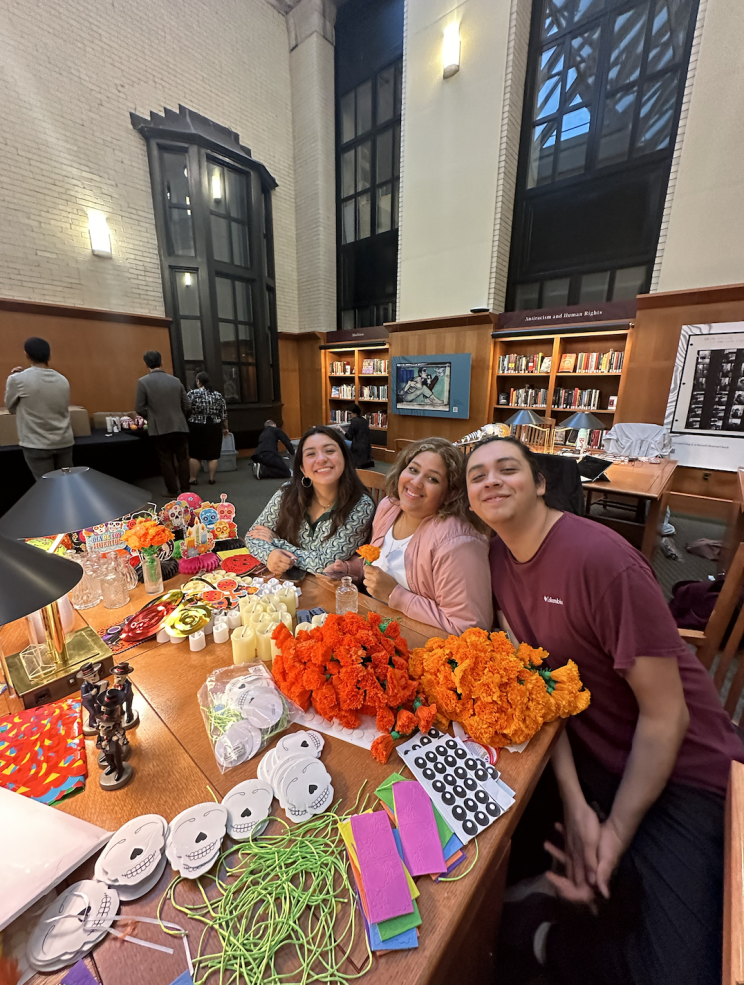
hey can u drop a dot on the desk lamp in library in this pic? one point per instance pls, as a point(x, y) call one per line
point(32, 579)
point(582, 421)
point(60, 502)
point(523, 426)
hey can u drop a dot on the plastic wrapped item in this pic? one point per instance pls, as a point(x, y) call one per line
point(243, 710)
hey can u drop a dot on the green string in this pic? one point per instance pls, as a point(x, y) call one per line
point(282, 901)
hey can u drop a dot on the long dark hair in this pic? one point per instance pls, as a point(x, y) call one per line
point(296, 498)
point(203, 378)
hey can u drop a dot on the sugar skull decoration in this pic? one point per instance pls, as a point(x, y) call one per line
point(195, 837)
point(72, 925)
point(176, 515)
point(134, 859)
point(208, 515)
point(248, 809)
point(190, 499)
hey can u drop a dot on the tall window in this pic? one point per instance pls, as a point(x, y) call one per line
point(602, 102)
point(213, 218)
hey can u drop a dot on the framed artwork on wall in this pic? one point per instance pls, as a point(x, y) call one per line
point(432, 385)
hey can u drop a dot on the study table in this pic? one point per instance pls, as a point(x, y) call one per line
point(648, 482)
point(175, 768)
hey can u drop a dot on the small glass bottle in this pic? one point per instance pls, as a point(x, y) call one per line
point(347, 597)
point(152, 572)
point(87, 592)
point(113, 585)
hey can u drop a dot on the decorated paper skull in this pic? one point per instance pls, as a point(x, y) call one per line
point(305, 789)
point(208, 516)
point(195, 838)
point(238, 743)
point(134, 851)
point(248, 807)
point(88, 909)
point(176, 515)
point(299, 743)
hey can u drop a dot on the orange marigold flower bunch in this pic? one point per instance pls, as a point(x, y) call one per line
point(500, 694)
point(352, 666)
point(146, 533)
point(369, 553)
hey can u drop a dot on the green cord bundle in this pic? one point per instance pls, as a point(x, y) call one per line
point(282, 900)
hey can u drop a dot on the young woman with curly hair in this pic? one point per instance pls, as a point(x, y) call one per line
point(433, 563)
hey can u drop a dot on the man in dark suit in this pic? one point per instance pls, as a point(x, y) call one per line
point(162, 400)
point(267, 462)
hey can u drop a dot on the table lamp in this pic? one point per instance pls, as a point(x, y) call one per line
point(32, 579)
point(524, 416)
point(60, 502)
point(583, 420)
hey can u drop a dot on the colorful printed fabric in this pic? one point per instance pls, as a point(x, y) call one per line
point(42, 751)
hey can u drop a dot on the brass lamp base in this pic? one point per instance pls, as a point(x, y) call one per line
point(82, 646)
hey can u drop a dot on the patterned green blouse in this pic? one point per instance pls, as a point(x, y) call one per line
point(316, 549)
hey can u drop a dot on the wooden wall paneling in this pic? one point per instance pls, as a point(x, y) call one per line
point(289, 374)
point(656, 337)
point(302, 372)
point(99, 352)
point(472, 335)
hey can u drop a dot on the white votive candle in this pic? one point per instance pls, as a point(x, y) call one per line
point(289, 598)
point(243, 644)
point(233, 619)
point(221, 631)
point(163, 636)
point(197, 640)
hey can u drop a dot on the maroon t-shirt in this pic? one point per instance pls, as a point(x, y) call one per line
point(588, 596)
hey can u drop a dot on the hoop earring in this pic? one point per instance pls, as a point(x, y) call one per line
point(306, 482)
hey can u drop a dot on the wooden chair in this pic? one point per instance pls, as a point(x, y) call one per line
point(375, 483)
point(708, 641)
point(733, 884)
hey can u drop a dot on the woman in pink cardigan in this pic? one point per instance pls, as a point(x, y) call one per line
point(433, 563)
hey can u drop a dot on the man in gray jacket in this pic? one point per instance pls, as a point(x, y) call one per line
point(40, 399)
point(162, 400)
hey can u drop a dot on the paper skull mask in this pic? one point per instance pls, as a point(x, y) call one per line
point(299, 744)
point(305, 788)
point(134, 853)
point(195, 838)
point(87, 909)
point(248, 808)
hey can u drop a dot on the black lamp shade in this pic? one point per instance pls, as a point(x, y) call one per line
point(31, 578)
point(523, 417)
point(70, 499)
point(581, 420)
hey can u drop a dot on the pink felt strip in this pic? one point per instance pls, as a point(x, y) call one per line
point(422, 846)
point(385, 885)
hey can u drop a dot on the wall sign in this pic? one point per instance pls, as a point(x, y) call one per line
point(568, 314)
point(705, 411)
point(433, 386)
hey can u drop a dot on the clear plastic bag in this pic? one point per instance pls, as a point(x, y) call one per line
point(243, 710)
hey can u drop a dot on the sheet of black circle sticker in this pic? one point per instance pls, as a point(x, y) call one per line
point(438, 763)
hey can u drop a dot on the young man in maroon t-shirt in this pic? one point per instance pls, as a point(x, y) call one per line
point(642, 773)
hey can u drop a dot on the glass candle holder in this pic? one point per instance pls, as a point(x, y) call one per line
point(152, 573)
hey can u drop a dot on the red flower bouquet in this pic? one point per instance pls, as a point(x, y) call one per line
point(353, 666)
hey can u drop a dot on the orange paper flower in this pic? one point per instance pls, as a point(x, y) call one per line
point(146, 533)
point(381, 748)
point(500, 695)
point(368, 552)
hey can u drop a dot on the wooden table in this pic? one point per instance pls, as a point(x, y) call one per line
point(647, 482)
point(174, 763)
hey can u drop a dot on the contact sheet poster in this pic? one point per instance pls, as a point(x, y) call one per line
point(705, 412)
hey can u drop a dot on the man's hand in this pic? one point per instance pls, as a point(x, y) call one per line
point(609, 853)
point(16, 369)
point(280, 561)
point(582, 835)
point(262, 533)
point(379, 583)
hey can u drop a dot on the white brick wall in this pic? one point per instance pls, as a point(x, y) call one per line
point(69, 75)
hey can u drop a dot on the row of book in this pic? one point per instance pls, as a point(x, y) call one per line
point(525, 396)
point(564, 399)
point(569, 436)
point(343, 392)
point(537, 362)
point(374, 392)
point(377, 420)
point(341, 369)
point(371, 367)
point(592, 362)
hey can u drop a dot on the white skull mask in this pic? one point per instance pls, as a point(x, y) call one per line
point(248, 805)
point(239, 742)
point(299, 743)
point(305, 789)
point(87, 910)
point(134, 851)
point(195, 838)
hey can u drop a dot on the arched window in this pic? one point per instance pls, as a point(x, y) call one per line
point(213, 220)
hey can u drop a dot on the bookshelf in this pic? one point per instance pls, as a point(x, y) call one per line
point(362, 375)
point(586, 370)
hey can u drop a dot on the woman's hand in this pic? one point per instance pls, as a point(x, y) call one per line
point(379, 583)
point(581, 832)
point(262, 533)
point(336, 570)
point(279, 561)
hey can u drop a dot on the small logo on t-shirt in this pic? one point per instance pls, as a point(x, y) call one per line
point(547, 598)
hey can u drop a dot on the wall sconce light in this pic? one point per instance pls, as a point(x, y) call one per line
point(187, 279)
point(451, 50)
point(216, 187)
point(100, 237)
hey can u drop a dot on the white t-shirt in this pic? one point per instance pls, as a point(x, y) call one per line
point(392, 557)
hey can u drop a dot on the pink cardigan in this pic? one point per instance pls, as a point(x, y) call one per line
point(447, 570)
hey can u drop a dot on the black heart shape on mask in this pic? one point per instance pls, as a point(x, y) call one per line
point(313, 787)
point(200, 837)
point(246, 812)
point(305, 744)
point(135, 853)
